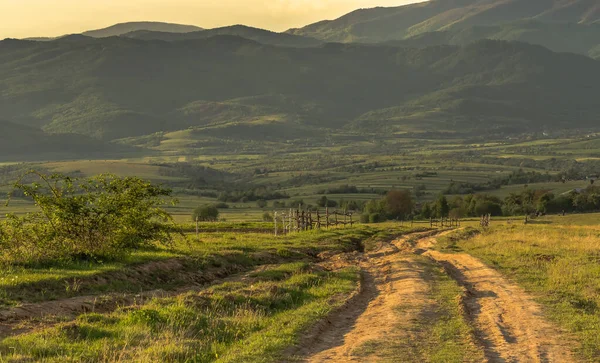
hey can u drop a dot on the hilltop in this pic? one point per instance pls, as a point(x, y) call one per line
point(123, 28)
point(256, 34)
point(496, 19)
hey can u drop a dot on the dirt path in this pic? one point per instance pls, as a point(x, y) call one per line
point(393, 293)
point(508, 324)
point(507, 321)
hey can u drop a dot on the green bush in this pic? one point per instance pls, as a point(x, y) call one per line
point(206, 213)
point(267, 217)
point(90, 218)
point(375, 218)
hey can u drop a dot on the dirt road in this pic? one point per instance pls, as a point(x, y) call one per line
point(390, 280)
point(508, 324)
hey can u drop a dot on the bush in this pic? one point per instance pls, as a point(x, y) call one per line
point(267, 217)
point(98, 217)
point(364, 218)
point(206, 213)
point(375, 218)
point(261, 203)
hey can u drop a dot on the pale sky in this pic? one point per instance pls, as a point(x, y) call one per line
point(33, 18)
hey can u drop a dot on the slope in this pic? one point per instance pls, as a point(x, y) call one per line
point(559, 37)
point(23, 142)
point(382, 24)
point(119, 87)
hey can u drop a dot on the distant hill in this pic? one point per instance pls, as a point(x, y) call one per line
point(24, 142)
point(123, 28)
point(118, 87)
point(384, 24)
point(559, 37)
point(258, 35)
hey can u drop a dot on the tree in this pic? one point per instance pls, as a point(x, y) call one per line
point(399, 204)
point(206, 213)
point(442, 209)
point(426, 211)
point(267, 217)
point(261, 203)
point(485, 207)
point(324, 202)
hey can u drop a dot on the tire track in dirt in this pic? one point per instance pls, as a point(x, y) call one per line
point(507, 322)
point(394, 293)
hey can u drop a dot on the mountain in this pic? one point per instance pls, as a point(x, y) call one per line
point(119, 87)
point(559, 37)
point(23, 142)
point(258, 35)
point(123, 28)
point(384, 24)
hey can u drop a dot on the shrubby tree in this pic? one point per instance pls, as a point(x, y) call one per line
point(323, 202)
point(206, 213)
point(97, 217)
point(267, 217)
point(397, 204)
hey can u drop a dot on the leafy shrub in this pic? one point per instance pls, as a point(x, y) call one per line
point(375, 218)
point(206, 213)
point(97, 217)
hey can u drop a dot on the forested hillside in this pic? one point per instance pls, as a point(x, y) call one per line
point(381, 24)
point(119, 87)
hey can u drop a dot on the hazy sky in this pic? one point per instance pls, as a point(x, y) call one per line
point(27, 18)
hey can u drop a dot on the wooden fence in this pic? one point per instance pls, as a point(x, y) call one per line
point(445, 222)
point(300, 220)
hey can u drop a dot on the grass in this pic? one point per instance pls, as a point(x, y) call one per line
point(225, 252)
point(557, 262)
point(234, 321)
point(274, 291)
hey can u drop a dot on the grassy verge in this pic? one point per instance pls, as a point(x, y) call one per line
point(249, 321)
point(227, 251)
point(557, 263)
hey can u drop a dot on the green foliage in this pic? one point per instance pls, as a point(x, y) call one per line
point(92, 218)
point(397, 204)
point(325, 202)
point(267, 217)
point(441, 208)
point(206, 213)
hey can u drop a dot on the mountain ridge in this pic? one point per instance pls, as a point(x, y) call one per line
point(113, 88)
point(392, 23)
point(127, 27)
